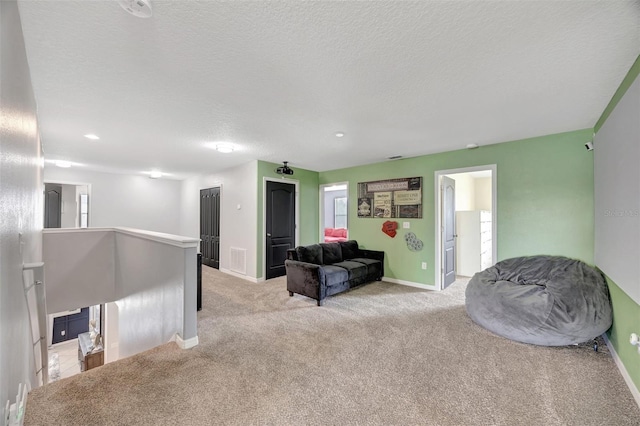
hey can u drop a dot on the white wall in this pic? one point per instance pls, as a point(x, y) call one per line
point(68, 218)
point(617, 194)
point(482, 193)
point(238, 227)
point(329, 206)
point(465, 191)
point(126, 200)
point(21, 203)
point(472, 193)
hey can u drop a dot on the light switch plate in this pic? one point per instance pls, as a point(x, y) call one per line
point(406, 225)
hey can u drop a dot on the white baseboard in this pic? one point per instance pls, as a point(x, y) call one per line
point(409, 283)
point(244, 277)
point(187, 344)
point(623, 370)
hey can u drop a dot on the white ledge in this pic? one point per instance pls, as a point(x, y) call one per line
point(170, 239)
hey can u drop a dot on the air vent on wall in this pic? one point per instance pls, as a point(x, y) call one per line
point(238, 260)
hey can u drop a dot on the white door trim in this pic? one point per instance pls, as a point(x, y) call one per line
point(438, 214)
point(295, 182)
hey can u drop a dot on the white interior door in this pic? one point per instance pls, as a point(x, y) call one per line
point(448, 238)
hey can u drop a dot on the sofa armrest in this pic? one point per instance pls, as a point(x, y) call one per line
point(373, 254)
point(306, 278)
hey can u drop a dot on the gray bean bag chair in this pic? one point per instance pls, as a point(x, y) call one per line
point(543, 300)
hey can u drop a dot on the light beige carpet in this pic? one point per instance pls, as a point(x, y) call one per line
point(382, 354)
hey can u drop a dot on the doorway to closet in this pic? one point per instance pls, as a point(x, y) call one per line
point(210, 226)
point(466, 227)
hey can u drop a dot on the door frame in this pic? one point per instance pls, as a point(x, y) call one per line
point(321, 197)
point(263, 236)
point(438, 214)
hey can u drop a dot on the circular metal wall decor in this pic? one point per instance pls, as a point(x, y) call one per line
point(413, 242)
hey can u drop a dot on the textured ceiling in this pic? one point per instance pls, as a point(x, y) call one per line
point(280, 78)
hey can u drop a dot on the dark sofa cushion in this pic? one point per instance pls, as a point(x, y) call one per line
point(310, 254)
point(349, 249)
point(356, 270)
point(335, 275)
point(374, 267)
point(331, 253)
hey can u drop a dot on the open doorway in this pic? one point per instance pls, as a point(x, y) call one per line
point(66, 205)
point(334, 202)
point(466, 227)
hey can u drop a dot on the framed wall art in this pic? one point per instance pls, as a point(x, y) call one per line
point(401, 198)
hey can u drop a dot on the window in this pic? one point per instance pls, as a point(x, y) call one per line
point(340, 212)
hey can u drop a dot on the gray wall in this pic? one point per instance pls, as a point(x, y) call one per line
point(21, 202)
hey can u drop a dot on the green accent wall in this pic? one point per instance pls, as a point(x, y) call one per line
point(626, 320)
point(544, 201)
point(309, 206)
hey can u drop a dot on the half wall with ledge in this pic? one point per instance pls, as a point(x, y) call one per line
point(149, 276)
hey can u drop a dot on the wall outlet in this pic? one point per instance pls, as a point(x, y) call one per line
point(424, 265)
point(406, 225)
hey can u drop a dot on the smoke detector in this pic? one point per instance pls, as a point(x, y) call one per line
point(139, 8)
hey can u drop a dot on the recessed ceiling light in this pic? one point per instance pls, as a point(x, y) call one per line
point(339, 134)
point(63, 164)
point(224, 147)
point(92, 137)
point(155, 174)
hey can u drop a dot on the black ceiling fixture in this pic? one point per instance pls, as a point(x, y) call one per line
point(284, 170)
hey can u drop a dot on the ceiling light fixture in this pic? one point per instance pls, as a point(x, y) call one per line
point(339, 134)
point(139, 8)
point(472, 146)
point(63, 164)
point(225, 148)
point(92, 137)
point(155, 174)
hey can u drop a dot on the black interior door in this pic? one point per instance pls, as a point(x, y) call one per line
point(210, 226)
point(280, 225)
point(52, 205)
point(69, 326)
